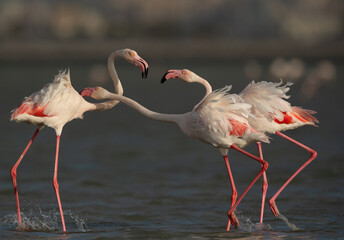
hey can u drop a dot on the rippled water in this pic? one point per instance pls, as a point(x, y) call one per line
point(124, 176)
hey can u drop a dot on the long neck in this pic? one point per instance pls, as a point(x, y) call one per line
point(173, 118)
point(102, 106)
point(113, 73)
point(207, 87)
point(116, 82)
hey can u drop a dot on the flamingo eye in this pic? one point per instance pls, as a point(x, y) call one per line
point(183, 72)
point(131, 54)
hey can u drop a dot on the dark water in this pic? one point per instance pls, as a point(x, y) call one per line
point(124, 176)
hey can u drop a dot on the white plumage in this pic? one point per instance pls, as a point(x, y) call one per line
point(272, 114)
point(221, 119)
point(54, 105)
point(270, 109)
point(58, 103)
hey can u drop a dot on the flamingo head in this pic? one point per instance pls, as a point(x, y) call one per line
point(97, 93)
point(132, 57)
point(185, 75)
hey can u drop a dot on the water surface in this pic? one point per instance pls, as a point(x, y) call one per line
point(124, 176)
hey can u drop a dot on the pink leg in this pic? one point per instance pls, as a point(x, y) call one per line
point(263, 169)
point(272, 203)
point(232, 218)
point(14, 175)
point(265, 184)
point(55, 183)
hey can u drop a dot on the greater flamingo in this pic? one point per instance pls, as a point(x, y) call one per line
point(270, 114)
point(273, 114)
point(58, 103)
point(220, 119)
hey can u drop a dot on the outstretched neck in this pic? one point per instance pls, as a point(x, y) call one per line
point(113, 73)
point(173, 118)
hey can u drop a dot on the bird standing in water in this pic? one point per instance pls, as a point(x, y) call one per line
point(273, 114)
point(56, 104)
point(270, 113)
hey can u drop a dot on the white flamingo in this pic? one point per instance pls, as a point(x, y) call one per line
point(273, 114)
point(58, 103)
point(220, 119)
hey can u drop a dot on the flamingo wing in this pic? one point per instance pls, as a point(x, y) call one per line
point(227, 114)
point(268, 99)
point(218, 107)
point(38, 103)
point(30, 108)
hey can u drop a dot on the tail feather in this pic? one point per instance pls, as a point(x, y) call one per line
point(304, 115)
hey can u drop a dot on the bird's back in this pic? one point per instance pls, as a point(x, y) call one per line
point(271, 109)
point(222, 120)
point(267, 98)
point(53, 99)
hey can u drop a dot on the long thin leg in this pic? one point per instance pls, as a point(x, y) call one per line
point(55, 183)
point(232, 218)
point(272, 203)
point(265, 184)
point(14, 175)
point(263, 169)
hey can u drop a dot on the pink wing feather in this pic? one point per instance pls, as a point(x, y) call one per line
point(36, 104)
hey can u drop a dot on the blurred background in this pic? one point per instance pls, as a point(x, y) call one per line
point(130, 175)
point(282, 35)
point(219, 28)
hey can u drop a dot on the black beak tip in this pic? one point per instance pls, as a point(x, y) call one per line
point(163, 79)
point(146, 72)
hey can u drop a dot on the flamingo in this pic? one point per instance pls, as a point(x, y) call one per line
point(273, 114)
point(58, 103)
point(219, 119)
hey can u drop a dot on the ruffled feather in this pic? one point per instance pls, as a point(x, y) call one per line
point(37, 104)
point(226, 114)
point(268, 98)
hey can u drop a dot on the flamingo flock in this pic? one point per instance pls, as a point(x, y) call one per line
point(222, 119)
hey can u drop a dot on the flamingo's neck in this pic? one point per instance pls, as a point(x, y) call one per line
point(102, 106)
point(113, 73)
point(207, 86)
point(173, 118)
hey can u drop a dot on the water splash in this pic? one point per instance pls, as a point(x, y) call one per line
point(79, 222)
point(34, 219)
point(290, 225)
point(247, 225)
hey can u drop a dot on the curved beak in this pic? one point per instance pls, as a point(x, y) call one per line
point(143, 65)
point(163, 79)
point(169, 74)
